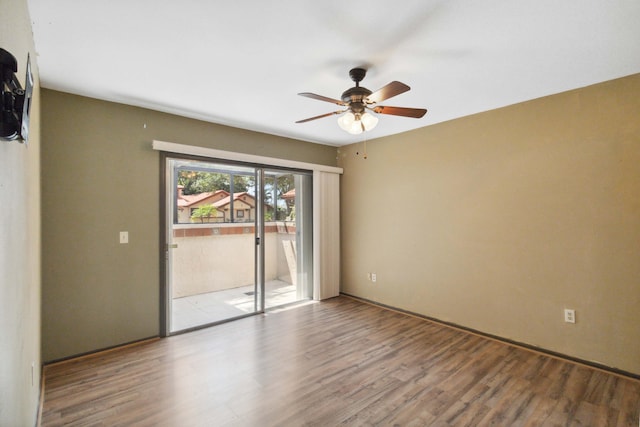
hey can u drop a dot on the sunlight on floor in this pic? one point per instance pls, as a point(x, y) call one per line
point(201, 309)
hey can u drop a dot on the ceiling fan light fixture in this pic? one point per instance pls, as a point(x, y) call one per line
point(356, 128)
point(369, 121)
point(355, 123)
point(346, 120)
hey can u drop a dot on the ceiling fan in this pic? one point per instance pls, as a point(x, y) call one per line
point(358, 100)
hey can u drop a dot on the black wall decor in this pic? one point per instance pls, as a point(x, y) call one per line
point(15, 101)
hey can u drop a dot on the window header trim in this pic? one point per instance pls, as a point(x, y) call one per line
point(193, 150)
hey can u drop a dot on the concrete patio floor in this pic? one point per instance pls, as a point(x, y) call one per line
point(202, 309)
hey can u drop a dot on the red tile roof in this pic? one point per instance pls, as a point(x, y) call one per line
point(186, 200)
point(291, 194)
point(225, 201)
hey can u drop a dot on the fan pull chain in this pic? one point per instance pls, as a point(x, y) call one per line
point(364, 137)
point(364, 143)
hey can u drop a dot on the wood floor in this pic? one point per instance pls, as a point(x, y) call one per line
point(339, 362)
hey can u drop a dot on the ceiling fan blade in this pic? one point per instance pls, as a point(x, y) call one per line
point(322, 98)
point(392, 89)
point(320, 116)
point(401, 111)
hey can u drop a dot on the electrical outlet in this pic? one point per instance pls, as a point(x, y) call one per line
point(569, 315)
point(374, 277)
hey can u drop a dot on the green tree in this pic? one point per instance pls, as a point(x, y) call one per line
point(204, 211)
point(195, 182)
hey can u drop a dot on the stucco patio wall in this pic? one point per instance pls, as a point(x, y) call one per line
point(214, 257)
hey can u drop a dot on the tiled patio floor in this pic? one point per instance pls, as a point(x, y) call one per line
point(197, 310)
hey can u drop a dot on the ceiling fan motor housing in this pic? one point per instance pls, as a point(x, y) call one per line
point(356, 98)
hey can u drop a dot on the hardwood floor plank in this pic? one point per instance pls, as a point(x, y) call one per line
point(339, 362)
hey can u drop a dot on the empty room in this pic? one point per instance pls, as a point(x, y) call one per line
point(318, 213)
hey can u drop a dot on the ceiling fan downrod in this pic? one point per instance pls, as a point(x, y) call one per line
point(356, 96)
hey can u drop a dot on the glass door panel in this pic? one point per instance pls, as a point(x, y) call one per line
point(288, 244)
point(211, 243)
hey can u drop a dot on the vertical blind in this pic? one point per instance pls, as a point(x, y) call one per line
point(326, 235)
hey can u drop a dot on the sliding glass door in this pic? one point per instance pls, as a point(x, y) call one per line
point(288, 249)
point(237, 241)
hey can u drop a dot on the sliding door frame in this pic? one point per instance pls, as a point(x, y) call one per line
point(166, 200)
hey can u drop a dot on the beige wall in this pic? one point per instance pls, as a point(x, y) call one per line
point(20, 240)
point(97, 158)
point(523, 211)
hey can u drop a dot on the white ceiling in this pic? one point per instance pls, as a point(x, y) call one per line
point(242, 63)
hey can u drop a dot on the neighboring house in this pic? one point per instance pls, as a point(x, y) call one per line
point(244, 206)
point(187, 204)
point(289, 196)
